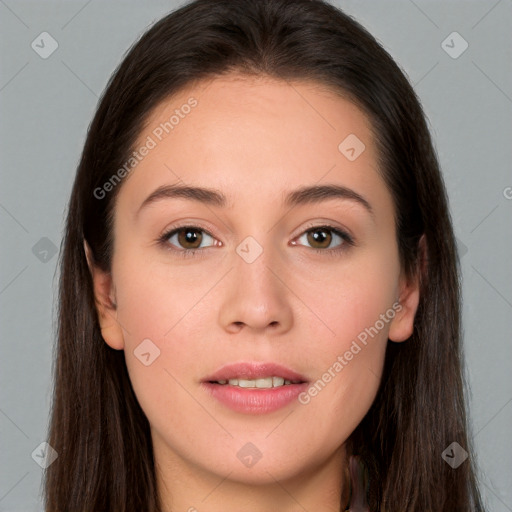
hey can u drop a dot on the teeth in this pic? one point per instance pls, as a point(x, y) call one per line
point(246, 383)
point(263, 383)
point(277, 381)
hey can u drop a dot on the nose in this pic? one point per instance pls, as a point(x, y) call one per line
point(255, 296)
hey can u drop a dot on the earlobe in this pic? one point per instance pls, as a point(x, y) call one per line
point(104, 298)
point(402, 325)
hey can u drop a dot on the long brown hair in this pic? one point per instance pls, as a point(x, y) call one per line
point(102, 437)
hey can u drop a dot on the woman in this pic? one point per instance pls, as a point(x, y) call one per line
point(259, 298)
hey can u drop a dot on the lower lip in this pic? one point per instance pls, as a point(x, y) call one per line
point(254, 400)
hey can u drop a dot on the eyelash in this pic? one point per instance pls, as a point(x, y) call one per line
point(187, 253)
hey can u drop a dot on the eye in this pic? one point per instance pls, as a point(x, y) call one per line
point(188, 238)
point(321, 238)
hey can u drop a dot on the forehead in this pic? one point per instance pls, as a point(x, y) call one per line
point(252, 134)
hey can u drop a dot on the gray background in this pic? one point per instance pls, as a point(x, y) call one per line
point(47, 104)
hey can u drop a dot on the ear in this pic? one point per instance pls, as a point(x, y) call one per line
point(104, 298)
point(402, 325)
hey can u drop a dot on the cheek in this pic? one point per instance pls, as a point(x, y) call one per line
point(358, 323)
point(348, 368)
point(357, 309)
point(154, 298)
point(151, 309)
point(164, 324)
point(352, 300)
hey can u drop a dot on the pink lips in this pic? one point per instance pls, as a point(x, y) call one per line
point(254, 400)
point(254, 371)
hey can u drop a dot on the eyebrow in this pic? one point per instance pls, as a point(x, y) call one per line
point(304, 195)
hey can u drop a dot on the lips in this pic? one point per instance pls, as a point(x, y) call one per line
point(253, 371)
point(244, 387)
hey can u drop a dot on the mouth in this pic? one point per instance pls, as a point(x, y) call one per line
point(255, 388)
point(261, 383)
point(255, 375)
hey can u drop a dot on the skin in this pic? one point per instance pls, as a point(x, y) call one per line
point(254, 140)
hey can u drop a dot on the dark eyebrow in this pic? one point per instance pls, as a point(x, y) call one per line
point(200, 194)
point(318, 193)
point(213, 197)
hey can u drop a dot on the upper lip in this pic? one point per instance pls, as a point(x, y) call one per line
point(254, 370)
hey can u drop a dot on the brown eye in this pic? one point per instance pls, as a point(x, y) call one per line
point(190, 238)
point(187, 238)
point(319, 238)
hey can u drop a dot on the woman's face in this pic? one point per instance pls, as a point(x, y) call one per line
point(309, 284)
